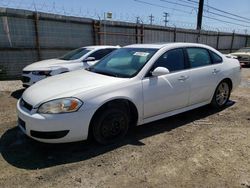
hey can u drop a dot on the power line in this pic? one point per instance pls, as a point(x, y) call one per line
point(225, 12)
point(227, 16)
point(185, 1)
point(179, 4)
point(207, 10)
point(161, 6)
point(157, 5)
point(225, 21)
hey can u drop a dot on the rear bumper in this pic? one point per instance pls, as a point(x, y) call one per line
point(57, 128)
point(245, 62)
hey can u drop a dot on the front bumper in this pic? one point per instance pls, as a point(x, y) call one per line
point(55, 128)
point(29, 79)
point(245, 62)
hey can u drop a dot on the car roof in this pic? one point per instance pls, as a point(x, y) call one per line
point(101, 46)
point(171, 44)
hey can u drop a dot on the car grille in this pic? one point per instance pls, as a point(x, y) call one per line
point(26, 72)
point(49, 135)
point(25, 79)
point(25, 105)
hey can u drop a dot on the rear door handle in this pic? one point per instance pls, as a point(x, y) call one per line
point(183, 78)
point(215, 71)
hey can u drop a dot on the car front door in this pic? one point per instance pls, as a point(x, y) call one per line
point(167, 92)
point(203, 75)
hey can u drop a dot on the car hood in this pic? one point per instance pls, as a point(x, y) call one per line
point(67, 85)
point(45, 64)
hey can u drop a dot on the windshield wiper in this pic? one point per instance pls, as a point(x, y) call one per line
point(91, 69)
point(105, 73)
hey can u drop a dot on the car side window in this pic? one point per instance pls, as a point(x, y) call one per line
point(216, 58)
point(99, 54)
point(173, 60)
point(198, 57)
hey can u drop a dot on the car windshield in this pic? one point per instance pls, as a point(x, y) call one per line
point(75, 54)
point(244, 50)
point(124, 62)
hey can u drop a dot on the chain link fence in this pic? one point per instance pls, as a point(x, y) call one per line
point(29, 36)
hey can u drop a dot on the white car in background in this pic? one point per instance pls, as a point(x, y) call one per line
point(74, 60)
point(243, 55)
point(133, 85)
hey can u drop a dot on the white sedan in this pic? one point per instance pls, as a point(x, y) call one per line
point(134, 85)
point(74, 60)
point(243, 55)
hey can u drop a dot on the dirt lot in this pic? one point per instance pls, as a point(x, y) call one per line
point(200, 148)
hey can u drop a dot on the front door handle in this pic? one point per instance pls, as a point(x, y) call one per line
point(183, 78)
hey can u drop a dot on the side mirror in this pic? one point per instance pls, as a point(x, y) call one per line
point(159, 71)
point(88, 59)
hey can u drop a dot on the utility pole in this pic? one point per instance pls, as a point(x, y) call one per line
point(137, 19)
point(104, 28)
point(165, 18)
point(199, 16)
point(151, 18)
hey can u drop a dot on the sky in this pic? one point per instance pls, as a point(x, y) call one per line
point(180, 12)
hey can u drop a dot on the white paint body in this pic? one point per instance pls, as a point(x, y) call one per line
point(58, 66)
point(154, 97)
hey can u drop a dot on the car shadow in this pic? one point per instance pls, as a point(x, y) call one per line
point(245, 66)
point(23, 152)
point(18, 93)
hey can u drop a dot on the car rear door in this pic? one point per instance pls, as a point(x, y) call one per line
point(203, 74)
point(167, 92)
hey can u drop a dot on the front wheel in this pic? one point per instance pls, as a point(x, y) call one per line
point(221, 95)
point(110, 126)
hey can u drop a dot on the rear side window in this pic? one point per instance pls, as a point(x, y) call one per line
point(198, 57)
point(99, 54)
point(173, 60)
point(215, 58)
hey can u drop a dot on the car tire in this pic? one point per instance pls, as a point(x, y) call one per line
point(221, 95)
point(110, 125)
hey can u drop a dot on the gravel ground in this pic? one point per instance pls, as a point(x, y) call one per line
point(10, 85)
point(199, 148)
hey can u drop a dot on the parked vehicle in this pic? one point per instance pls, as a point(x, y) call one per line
point(243, 55)
point(74, 60)
point(134, 85)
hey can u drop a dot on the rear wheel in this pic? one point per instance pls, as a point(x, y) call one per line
point(221, 95)
point(110, 125)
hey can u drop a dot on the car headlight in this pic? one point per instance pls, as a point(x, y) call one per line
point(41, 73)
point(58, 106)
